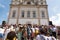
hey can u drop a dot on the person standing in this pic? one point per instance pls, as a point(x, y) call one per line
point(19, 34)
point(24, 34)
point(32, 35)
point(54, 31)
point(6, 31)
point(28, 32)
point(41, 35)
point(49, 30)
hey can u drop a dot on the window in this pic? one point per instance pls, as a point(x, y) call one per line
point(32, 0)
point(14, 12)
point(28, 2)
point(43, 14)
point(41, 3)
point(22, 14)
point(28, 13)
point(41, 0)
point(34, 14)
point(36, 3)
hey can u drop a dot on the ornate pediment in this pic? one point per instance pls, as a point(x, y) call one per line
point(30, 2)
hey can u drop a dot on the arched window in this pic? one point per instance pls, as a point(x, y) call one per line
point(22, 14)
point(43, 14)
point(14, 13)
point(28, 13)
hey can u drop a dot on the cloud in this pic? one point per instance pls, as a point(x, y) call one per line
point(1, 5)
point(56, 19)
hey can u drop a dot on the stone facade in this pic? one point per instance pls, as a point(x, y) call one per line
point(37, 6)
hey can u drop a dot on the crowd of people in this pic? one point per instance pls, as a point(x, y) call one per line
point(28, 32)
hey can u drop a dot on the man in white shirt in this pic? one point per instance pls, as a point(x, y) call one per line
point(54, 31)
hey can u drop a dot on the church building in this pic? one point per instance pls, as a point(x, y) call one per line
point(28, 12)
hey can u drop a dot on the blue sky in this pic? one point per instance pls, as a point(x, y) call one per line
point(53, 10)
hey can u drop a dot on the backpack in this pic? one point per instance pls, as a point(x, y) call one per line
point(41, 37)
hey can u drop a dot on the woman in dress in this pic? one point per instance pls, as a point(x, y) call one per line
point(19, 34)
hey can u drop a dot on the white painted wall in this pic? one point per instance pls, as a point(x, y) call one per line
point(44, 21)
point(12, 21)
point(24, 21)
